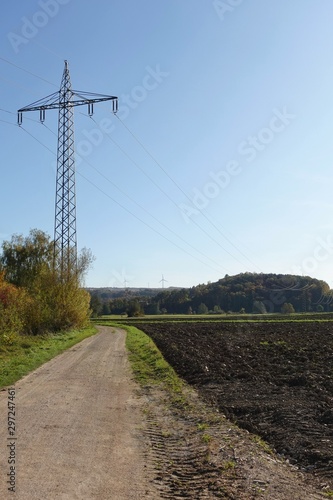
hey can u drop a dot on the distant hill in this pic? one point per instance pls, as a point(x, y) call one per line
point(246, 292)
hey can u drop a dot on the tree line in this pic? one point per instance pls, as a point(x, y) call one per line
point(248, 293)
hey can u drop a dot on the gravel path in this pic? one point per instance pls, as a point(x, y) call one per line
point(80, 431)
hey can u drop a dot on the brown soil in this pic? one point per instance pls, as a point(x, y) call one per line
point(85, 430)
point(273, 379)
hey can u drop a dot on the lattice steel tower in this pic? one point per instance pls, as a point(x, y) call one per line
point(65, 242)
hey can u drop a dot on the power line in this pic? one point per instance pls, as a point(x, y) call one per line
point(27, 71)
point(164, 171)
point(183, 192)
point(50, 104)
point(8, 123)
point(12, 113)
point(18, 85)
point(142, 221)
point(122, 206)
point(155, 218)
point(169, 197)
point(136, 203)
point(47, 49)
point(39, 142)
point(147, 211)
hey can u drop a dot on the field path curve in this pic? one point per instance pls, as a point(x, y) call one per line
point(80, 427)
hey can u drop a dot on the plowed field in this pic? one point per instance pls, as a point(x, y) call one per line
point(274, 379)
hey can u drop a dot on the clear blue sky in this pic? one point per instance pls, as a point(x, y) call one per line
point(233, 106)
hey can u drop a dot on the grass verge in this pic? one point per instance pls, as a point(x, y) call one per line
point(148, 365)
point(26, 353)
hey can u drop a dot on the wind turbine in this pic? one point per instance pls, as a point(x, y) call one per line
point(163, 281)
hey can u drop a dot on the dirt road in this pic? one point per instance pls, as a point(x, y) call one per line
point(82, 434)
point(79, 427)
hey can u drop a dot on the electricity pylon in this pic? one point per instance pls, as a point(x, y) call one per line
point(65, 242)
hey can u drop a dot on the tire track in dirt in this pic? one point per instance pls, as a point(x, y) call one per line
point(180, 456)
point(198, 454)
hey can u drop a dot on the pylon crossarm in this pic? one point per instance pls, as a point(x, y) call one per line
point(76, 99)
point(49, 102)
point(91, 96)
point(58, 100)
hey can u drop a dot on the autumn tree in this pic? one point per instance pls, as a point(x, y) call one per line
point(14, 304)
point(55, 303)
point(23, 258)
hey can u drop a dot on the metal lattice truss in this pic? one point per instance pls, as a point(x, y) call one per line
point(65, 242)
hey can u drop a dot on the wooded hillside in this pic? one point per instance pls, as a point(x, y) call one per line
point(244, 293)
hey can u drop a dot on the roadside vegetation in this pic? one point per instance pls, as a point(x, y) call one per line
point(27, 352)
point(40, 299)
point(148, 365)
point(35, 296)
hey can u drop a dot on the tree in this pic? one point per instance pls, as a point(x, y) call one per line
point(23, 258)
point(155, 308)
point(14, 303)
point(95, 305)
point(134, 309)
point(85, 260)
point(55, 303)
point(106, 309)
point(287, 308)
point(259, 307)
point(202, 309)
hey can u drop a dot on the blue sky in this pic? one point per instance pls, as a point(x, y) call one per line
point(220, 161)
